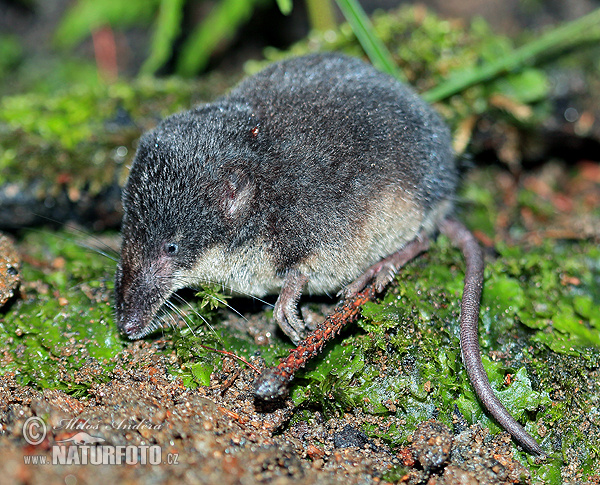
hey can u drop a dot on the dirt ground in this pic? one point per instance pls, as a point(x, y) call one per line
point(218, 434)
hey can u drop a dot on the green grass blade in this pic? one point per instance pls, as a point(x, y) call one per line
point(567, 36)
point(285, 6)
point(168, 27)
point(221, 23)
point(372, 45)
point(321, 15)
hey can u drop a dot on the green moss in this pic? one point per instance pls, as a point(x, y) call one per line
point(196, 359)
point(412, 334)
point(195, 344)
point(405, 363)
point(564, 319)
point(81, 138)
point(64, 322)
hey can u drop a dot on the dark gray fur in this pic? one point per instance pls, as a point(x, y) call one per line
point(333, 135)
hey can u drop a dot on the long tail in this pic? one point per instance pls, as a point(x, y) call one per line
point(469, 337)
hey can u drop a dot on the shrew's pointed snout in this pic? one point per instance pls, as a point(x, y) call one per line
point(134, 325)
point(139, 294)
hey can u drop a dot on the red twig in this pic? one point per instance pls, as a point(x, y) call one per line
point(232, 355)
point(273, 382)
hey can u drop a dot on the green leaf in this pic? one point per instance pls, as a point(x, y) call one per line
point(528, 86)
point(212, 296)
point(202, 371)
point(519, 396)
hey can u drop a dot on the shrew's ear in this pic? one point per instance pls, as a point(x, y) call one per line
point(237, 192)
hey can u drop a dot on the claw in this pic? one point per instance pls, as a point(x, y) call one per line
point(286, 307)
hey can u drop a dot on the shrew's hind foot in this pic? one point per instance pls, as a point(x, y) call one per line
point(383, 272)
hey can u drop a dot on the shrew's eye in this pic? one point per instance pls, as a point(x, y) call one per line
point(171, 249)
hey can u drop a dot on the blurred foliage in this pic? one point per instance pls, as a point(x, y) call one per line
point(428, 50)
point(11, 54)
point(167, 17)
point(285, 6)
point(62, 134)
point(49, 76)
point(86, 16)
point(568, 36)
point(368, 39)
point(82, 137)
point(167, 29)
point(221, 23)
point(321, 14)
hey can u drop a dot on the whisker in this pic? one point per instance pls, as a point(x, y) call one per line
point(81, 244)
point(173, 323)
point(97, 250)
point(225, 304)
point(150, 328)
point(186, 318)
point(207, 347)
point(161, 318)
point(189, 282)
point(182, 300)
point(108, 249)
point(176, 311)
point(73, 228)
